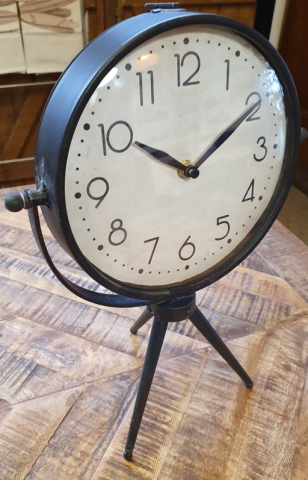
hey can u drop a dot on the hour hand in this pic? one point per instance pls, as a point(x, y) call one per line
point(161, 156)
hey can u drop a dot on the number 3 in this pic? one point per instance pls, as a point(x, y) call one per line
point(262, 146)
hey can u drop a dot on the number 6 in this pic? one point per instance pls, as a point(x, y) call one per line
point(184, 245)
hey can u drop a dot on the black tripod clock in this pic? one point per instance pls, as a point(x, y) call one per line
point(164, 155)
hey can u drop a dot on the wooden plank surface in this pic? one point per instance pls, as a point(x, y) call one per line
point(69, 373)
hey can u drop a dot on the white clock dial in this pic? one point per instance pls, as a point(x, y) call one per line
point(134, 217)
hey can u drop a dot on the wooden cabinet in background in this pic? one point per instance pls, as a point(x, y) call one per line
point(241, 10)
point(294, 50)
point(21, 108)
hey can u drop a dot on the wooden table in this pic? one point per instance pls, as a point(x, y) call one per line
point(69, 373)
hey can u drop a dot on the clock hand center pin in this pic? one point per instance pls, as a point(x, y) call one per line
point(190, 172)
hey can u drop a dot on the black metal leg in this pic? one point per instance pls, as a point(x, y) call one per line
point(214, 339)
point(154, 347)
point(142, 320)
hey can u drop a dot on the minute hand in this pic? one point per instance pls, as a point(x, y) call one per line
point(225, 135)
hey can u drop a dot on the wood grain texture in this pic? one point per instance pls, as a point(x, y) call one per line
point(69, 373)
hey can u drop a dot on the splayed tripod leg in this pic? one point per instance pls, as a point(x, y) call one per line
point(154, 347)
point(142, 320)
point(204, 327)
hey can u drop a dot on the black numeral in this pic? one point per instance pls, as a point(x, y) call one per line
point(117, 229)
point(155, 239)
point(139, 74)
point(106, 139)
point(252, 188)
point(152, 85)
point(221, 223)
point(101, 197)
point(180, 64)
point(185, 244)
point(228, 69)
point(262, 146)
point(251, 117)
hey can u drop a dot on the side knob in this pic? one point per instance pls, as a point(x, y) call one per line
point(14, 202)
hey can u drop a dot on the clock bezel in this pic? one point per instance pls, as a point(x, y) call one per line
point(73, 91)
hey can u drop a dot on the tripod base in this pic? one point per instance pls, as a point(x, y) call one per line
point(172, 311)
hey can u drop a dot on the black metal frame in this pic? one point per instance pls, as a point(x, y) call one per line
point(172, 311)
point(72, 93)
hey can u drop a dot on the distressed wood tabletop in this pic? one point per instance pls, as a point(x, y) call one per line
point(69, 372)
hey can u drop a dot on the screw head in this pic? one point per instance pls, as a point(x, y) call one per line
point(192, 172)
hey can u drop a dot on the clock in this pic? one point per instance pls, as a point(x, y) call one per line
point(166, 151)
point(163, 157)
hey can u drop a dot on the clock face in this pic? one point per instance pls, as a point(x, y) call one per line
point(141, 221)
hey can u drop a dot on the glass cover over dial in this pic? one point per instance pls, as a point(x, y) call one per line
point(175, 157)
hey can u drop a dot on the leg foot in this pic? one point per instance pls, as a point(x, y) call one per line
point(142, 320)
point(214, 339)
point(128, 455)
